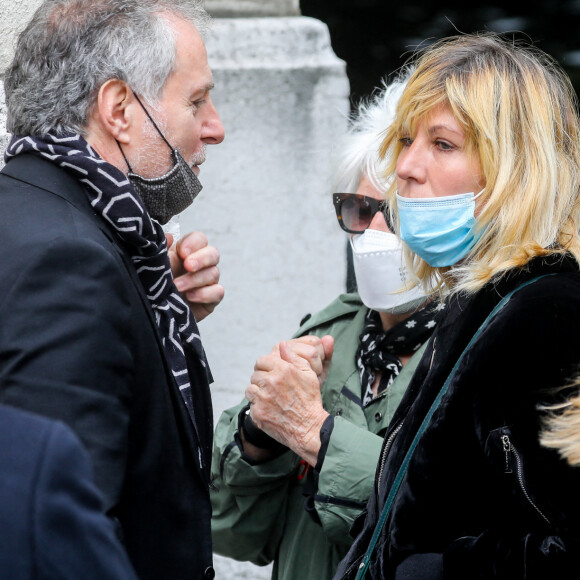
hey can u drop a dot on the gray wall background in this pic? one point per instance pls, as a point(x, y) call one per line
point(283, 98)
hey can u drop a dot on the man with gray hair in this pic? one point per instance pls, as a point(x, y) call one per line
point(110, 110)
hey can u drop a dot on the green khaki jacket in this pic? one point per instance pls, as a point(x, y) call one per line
point(258, 510)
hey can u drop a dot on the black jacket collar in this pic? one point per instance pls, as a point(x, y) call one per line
point(43, 174)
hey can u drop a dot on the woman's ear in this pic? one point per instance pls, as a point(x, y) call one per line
point(115, 103)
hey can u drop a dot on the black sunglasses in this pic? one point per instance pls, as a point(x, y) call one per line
point(356, 212)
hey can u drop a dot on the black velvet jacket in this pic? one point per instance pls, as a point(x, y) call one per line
point(481, 498)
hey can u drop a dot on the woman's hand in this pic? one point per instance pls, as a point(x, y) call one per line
point(285, 395)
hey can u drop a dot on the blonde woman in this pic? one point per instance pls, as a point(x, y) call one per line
point(485, 197)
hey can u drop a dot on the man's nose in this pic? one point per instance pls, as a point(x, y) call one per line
point(213, 131)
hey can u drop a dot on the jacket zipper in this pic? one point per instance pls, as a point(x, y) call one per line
point(433, 353)
point(385, 453)
point(509, 450)
point(394, 433)
point(377, 398)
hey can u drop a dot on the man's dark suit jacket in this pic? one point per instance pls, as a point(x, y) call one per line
point(79, 343)
point(52, 522)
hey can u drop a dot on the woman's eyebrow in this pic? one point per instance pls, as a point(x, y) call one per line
point(438, 127)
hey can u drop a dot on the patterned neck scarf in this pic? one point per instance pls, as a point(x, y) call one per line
point(379, 351)
point(113, 198)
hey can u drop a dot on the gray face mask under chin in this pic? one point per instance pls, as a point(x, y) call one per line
point(170, 194)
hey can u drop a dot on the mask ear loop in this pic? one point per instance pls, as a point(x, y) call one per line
point(156, 128)
point(124, 156)
point(151, 119)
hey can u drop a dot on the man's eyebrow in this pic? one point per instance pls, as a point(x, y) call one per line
point(206, 87)
point(201, 90)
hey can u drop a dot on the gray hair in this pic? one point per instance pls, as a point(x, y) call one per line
point(357, 153)
point(70, 48)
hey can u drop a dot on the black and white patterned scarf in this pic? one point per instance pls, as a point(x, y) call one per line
point(379, 351)
point(113, 198)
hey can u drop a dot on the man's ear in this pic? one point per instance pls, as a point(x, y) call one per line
point(115, 104)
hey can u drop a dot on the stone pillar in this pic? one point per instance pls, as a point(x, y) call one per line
point(283, 98)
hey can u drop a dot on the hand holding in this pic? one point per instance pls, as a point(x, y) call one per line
point(309, 348)
point(285, 394)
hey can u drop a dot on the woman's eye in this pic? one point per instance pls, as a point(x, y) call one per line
point(406, 141)
point(444, 145)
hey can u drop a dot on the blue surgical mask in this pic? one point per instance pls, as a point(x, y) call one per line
point(439, 229)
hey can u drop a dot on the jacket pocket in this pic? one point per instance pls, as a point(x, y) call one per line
point(503, 451)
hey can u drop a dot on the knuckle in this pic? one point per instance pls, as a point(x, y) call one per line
point(214, 275)
point(220, 292)
point(195, 239)
point(312, 351)
point(279, 378)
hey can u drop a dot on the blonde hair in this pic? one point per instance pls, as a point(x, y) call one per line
point(562, 427)
point(518, 111)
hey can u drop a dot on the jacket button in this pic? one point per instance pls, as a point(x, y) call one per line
point(209, 573)
point(378, 416)
point(338, 412)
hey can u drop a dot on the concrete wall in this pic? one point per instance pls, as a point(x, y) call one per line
point(13, 17)
point(244, 8)
point(283, 98)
